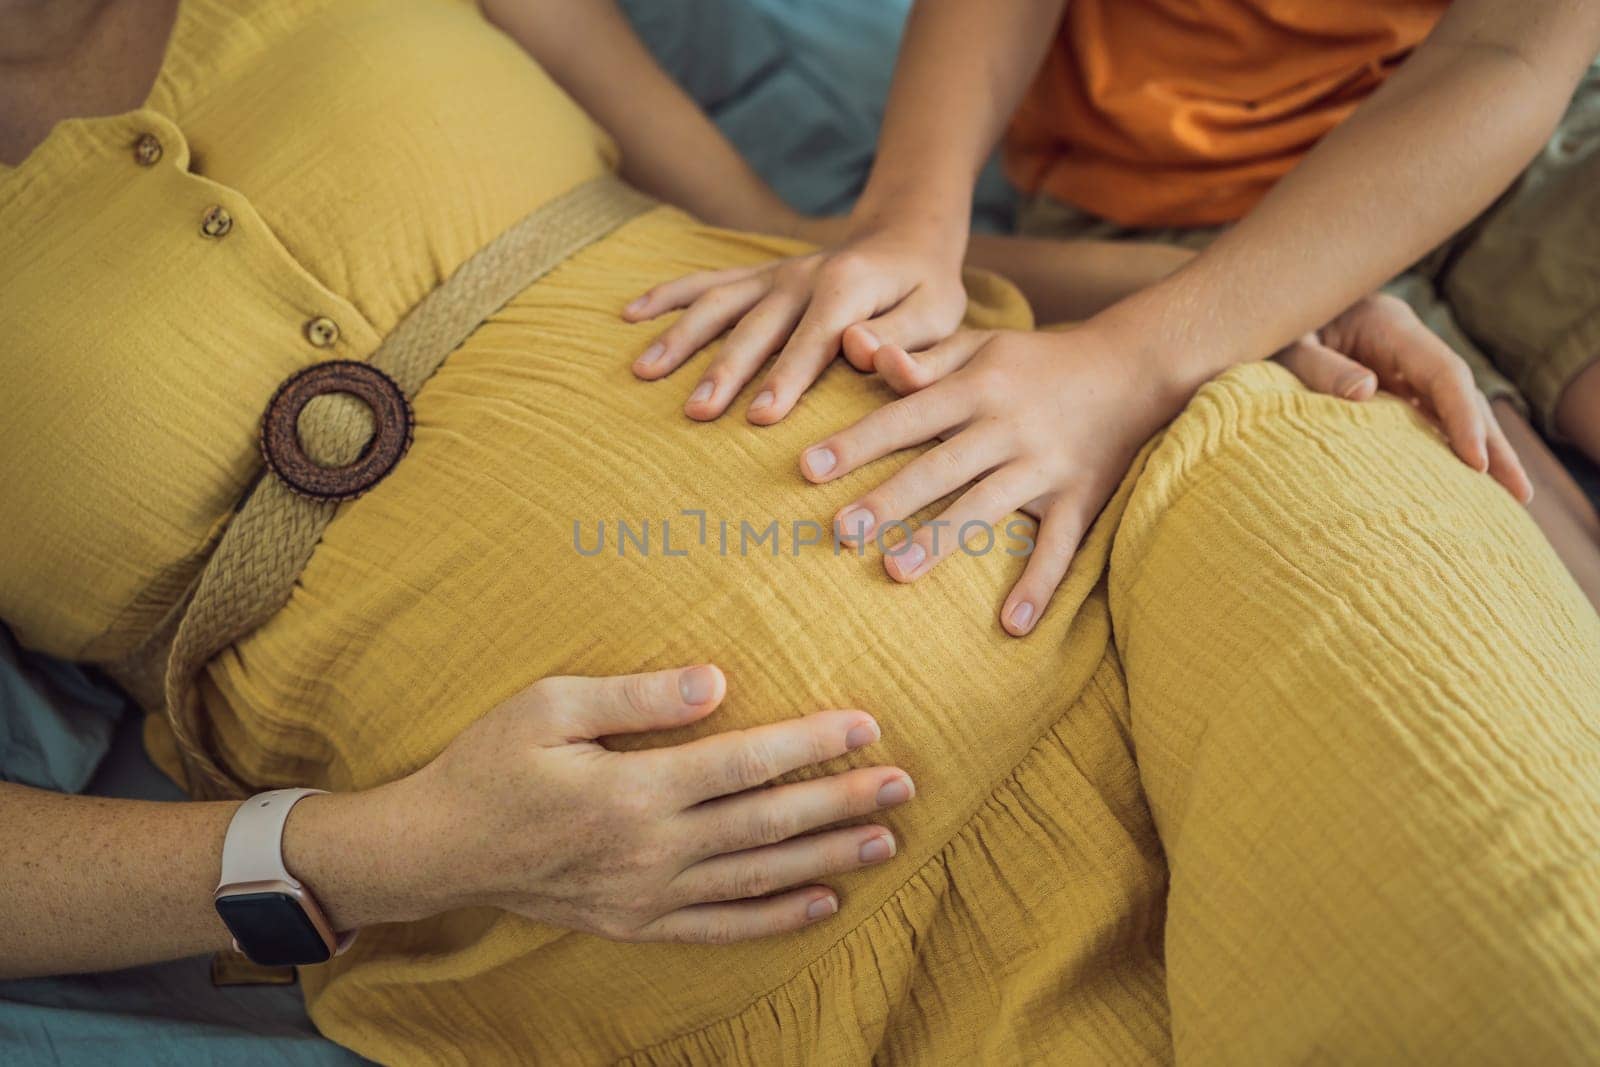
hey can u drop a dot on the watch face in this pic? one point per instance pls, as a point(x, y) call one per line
point(272, 929)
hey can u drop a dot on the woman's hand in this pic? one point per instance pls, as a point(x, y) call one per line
point(1044, 422)
point(671, 844)
point(1380, 343)
point(896, 283)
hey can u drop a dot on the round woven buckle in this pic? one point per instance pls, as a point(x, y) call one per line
point(280, 432)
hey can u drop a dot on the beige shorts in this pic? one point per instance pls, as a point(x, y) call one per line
point(1517, 292)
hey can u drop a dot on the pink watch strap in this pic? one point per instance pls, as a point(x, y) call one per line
point(253, 848)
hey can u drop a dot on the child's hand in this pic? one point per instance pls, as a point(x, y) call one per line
point(1053, 418)
point(1380, 343)
point(902, 283)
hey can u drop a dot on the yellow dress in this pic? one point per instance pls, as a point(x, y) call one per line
point(1302, 763)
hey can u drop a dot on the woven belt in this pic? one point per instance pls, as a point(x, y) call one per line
point(278, 524)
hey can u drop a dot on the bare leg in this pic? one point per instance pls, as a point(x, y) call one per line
point(1559, 506)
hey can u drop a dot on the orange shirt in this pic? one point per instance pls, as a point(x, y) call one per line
point(1184, 112)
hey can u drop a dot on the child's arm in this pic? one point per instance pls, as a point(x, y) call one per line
point(1376, 343)
point(1427, 152)
point(1447, 132)
point(896, 264)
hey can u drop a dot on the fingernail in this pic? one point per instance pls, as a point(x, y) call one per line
point(1352, 386)
point(702, 392)
point(697, 685)
point(821, 908)
point(896, 791)
point(862, 734)
point(819, 461)
point(854, 524)
point(911, 558)
point(763, 399)
point(637, 305)
point(1021, 615)
point(652, 355)
point(871, 337)
point(878, 849)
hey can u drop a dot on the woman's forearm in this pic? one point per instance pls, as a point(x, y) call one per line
point(523, 810)
point(1431, 149)
point(670, 149)
point(95, 884)
point(1068, 281)
point(962, 70)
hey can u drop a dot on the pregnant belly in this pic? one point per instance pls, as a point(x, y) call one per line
point(539, 527)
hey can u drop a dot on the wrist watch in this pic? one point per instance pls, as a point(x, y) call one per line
point(275, 920)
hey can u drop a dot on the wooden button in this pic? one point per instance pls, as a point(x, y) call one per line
point(280, 429)
point(322, 332)
point(147, 150)
point(216, 223)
